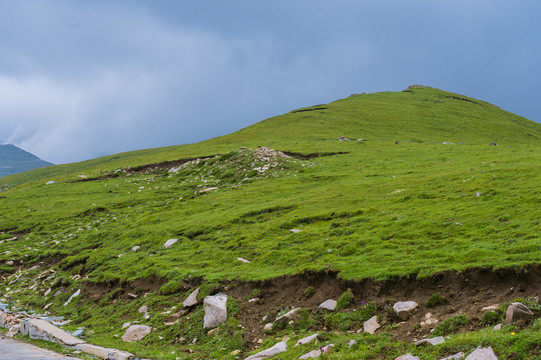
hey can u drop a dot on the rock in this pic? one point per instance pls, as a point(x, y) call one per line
point(136, 332)
point(432, 341)
point(126, 324)
point(295, 231)
point(403, 309)
point(143, 310)
point(243, 260)
point(490, 308)
point(371, 325)
point(328, 305)
point(482, 354)
point(50, 182)
point(493, 144)
point(104, 353)
point(215, 310)
point(307, 339)
point(326, 349)
point(78, 333)
point(517, 311)
point(352, 342)
point(191, 300)
point(43, 330)
point(14, 330)
point(135, 248)
point(268, 326)
point(429, 320)
point(289, 316)
point(270, 352)
point(47, 306)
point(235, 352)
point(497, 327)
point(457, 356)
point(169, 243)
point(407, 357)
point(343, 138)
point(311, 354)
point(72, 296)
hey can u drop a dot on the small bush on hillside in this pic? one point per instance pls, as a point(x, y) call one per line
point(451, 325)
point(344, 300)
point(435, 300)
point(170, 287)
point(491, 318)
point(309, 291)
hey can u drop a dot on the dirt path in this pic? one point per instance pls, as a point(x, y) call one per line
point(11, 349)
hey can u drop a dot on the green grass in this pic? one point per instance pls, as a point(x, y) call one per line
point(403, 200)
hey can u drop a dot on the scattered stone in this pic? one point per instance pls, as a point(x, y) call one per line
point(407, 357)
point(268, 326)
point(403, 309)
point(493, 144)
point(136, 332)
point(243, 260)
point(312, 354)
point(429, 320)
point(371, 325)
point(307, 340)
point(361, 140)
point(328, 305)
point(47, 306)
point(191, 300)
point(135, 248)
point(143, 309)
point(78, 333)
point(270, 352)
point(126, 324)
point(352, 342)
point(215, 310)
point(517, 311)
point(343, 138)
point(50, 182)
point(490, 308)
point(327, 349)
point(13, 330)
point(289, 316)
point(482, 354)
point(457, 356)
point(235, 352)
point(295, 231)
point(169, 243)
point(72, 296)
point(497, 327)
point(432, 341)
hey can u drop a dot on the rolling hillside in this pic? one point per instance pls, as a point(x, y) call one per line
point(375, 186)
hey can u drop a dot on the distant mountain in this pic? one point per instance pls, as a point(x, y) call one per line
point(14, 160)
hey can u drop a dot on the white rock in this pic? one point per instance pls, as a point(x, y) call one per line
point(371, 325)
point(50, 182)
point(126, 324)
point(295, 231)
point(429, 320)
point(408, 357)
point(135, 248)
point(490, 308)
point(143, 309)
point(497, 327)
point(169, 243)
point(47, 292)
point(268, 326)
point(289, 316)
point(191, 300)
point(482, 354)
point(352, 342)
point(457, 356)
point(432, 341)
point(72, 296)
point(403, 309)
point(243, 260)
point(312, 354)
point(136, 332)
point(307, 339)
point(328, 305)
point(215, 310)
point(517, 311)
point(270, 352)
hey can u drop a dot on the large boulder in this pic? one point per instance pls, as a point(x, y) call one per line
point(270, 352)
point(136, 332)
point(403, 309)
point(215, 310)
point(517, 311)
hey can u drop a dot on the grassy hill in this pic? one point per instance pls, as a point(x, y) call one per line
point(14, 160)
point(429, 181)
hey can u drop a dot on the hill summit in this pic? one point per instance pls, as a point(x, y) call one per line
point(14, 160)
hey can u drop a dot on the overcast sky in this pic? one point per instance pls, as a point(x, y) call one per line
point(81, 79)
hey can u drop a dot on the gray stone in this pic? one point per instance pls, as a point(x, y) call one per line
point(169, 243)
point(403, 309)
point(135, 248)
point(215, 310)
point(43, 330)
point(191, 300)
point(289, 316)
point(432, 341)
point(482, 354)
point(78, 333)
point(268, 326)
point(136, 332)
point(105, 353)
point(270, 352)
point(72, 296)
point(295, 231)
point(371, 325)
point(307, 339)
point(352, 342)
point(497, 327)
point(328, 305)
point(517, 311)
point(407, 357)
point(243, 260)
point(312, 354)
point(457, 356)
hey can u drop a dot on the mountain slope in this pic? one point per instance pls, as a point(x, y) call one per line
point(424, 192)
point(15, 160)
